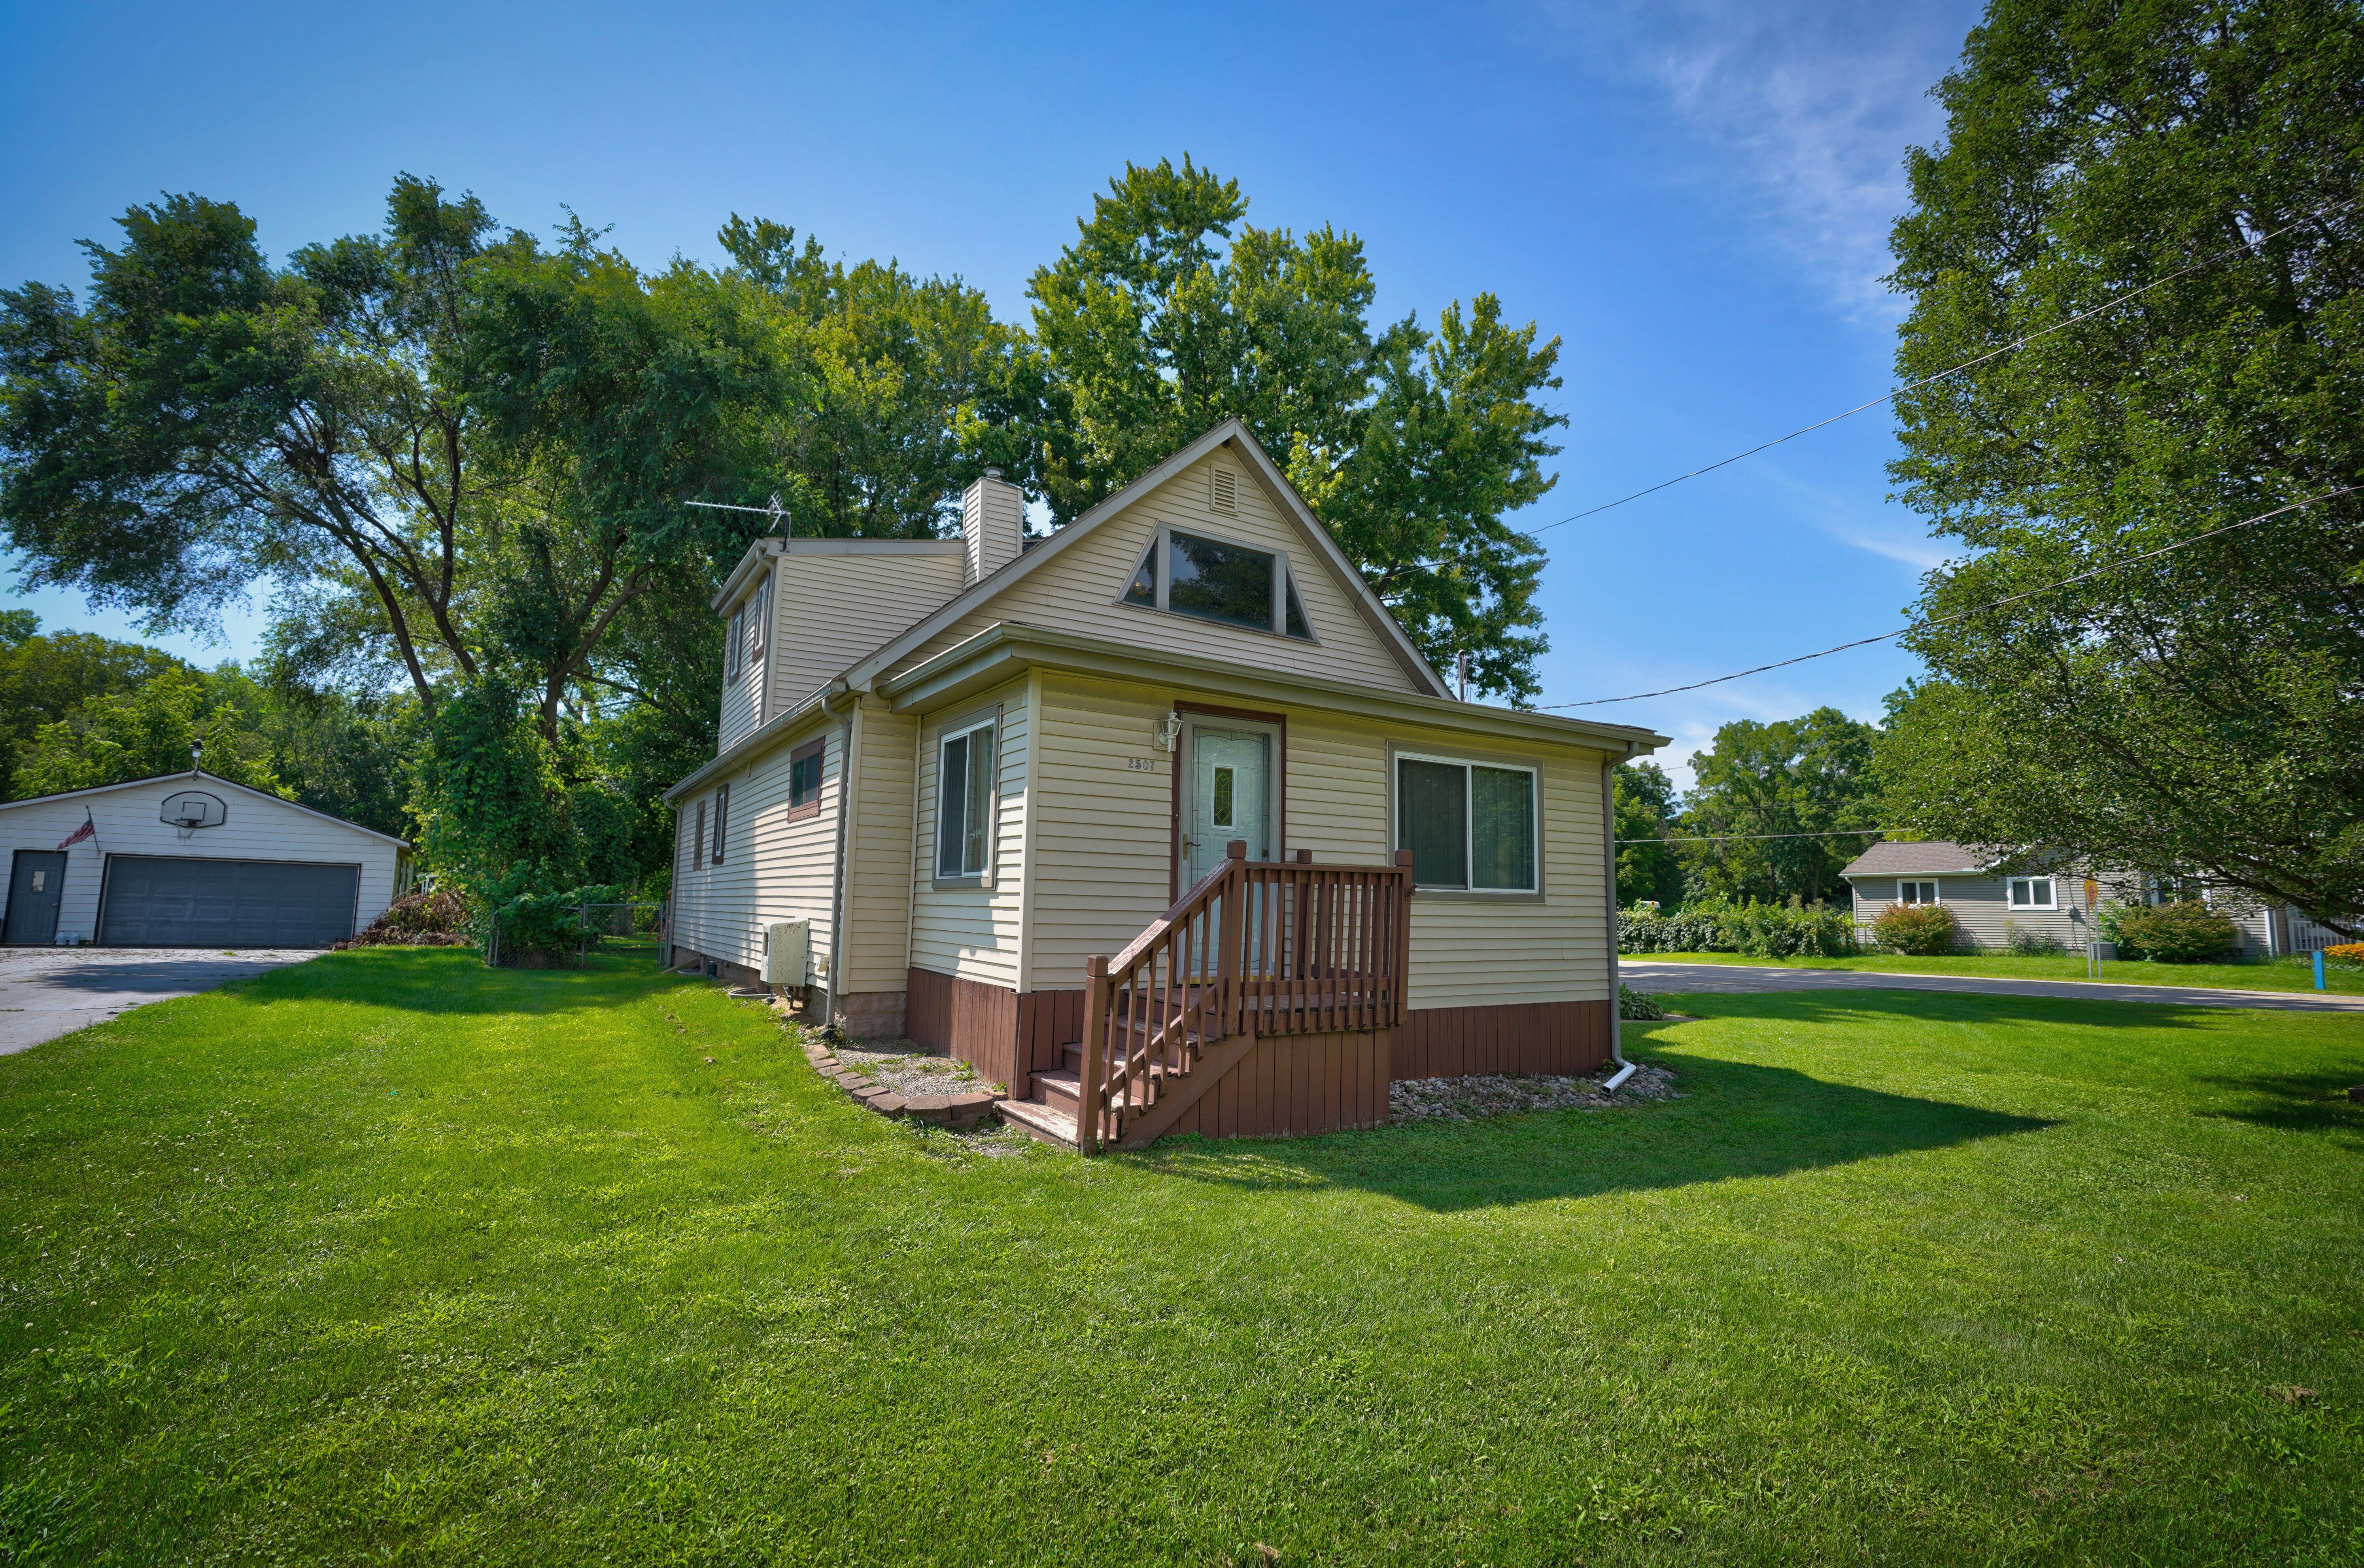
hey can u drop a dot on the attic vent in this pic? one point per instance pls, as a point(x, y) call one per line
point(1226, 497)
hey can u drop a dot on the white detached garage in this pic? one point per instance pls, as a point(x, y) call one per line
point(189, 860)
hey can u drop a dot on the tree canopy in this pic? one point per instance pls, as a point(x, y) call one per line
point(1774, 804)
point(1158, 322)
point(2203, 711)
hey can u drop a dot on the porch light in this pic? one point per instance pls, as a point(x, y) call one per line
point(1169, 730)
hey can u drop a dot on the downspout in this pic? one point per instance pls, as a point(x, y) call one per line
point(1609, 906)
point(837, 872)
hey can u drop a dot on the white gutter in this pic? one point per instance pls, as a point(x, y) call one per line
point(1609, 902)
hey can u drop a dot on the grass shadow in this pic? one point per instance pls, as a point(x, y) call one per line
point(456, 981)
point(1737, 1121)
point(2298, 1102)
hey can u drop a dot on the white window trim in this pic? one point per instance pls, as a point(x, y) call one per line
point(988, 723)
point(2010, 902)
point(1469, 820)
point(1284, 578)
point(1936, 891)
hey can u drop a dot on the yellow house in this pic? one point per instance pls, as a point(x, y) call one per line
point(1160, 821)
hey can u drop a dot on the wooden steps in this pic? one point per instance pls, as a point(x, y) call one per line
point(1039, 1120)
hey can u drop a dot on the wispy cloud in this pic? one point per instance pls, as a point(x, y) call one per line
point(1811, 107)
point(1884, 530)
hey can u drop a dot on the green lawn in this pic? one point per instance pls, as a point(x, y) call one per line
point(2278, 974)
point(389, 1258)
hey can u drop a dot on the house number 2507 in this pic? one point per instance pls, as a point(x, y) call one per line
point(1142, 764)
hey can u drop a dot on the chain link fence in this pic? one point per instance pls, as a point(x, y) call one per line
point(626, 930)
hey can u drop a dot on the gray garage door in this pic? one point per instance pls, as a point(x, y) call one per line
point(151, 901)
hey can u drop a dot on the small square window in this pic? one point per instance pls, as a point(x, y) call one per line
point(804, 779)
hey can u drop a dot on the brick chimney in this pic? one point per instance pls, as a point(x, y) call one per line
point(993, 522)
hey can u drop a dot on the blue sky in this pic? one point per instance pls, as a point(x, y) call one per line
point(1693, 195)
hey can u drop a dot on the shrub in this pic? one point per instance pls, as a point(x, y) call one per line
point(1920, 931)
point(1642, 928)
point(1774, 930)
point(547, 926)
point(2029, 941)
point(425, 919)
point(1633, 1003)
point(2188, 932)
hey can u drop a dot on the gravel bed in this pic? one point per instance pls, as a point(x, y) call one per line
point(909, 1068)
point(1501, 1094)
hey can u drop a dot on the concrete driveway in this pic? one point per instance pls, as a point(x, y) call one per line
point(1713, 979)
point(47, 992)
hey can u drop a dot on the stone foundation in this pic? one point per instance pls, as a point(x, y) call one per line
point(871, 1014)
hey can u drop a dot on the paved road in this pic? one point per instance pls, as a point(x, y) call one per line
point(47, 992)
point(1709, 979)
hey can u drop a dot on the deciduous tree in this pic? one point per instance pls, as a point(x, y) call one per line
point(2205, 709)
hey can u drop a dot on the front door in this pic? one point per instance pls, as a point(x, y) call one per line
point(1227, 795)
point(36, 883)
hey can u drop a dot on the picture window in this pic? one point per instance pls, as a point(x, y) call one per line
point(1212, 579)
point(1916, 893)
point(1469, 826)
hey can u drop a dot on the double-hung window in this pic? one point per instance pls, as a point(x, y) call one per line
point(964, 759)
point(1212, 579)
point(1470, 826)
point(1916, 893)
point(2030, 893)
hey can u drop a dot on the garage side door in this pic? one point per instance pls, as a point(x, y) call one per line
point(154, 902)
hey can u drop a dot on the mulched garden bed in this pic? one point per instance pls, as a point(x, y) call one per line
point(1502, 1094)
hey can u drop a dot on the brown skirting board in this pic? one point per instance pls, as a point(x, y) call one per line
point(1292, 1085)
point(1560, 1038)
point(968, 1019)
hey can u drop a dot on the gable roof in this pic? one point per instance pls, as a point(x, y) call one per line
point(1932, 856)
point(211, 779)
point(1231, 433)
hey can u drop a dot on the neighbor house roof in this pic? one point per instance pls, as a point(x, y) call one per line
point(211, 779)
point(1931, 856)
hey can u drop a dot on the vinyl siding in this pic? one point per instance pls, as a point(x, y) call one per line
point(1985, 918)
point(128, 823)
point(830, 606)
point(773, 869)
point(973, 932)
point(1078, 591)
point(741, 711)
point(878, 849)
point(1102, 872)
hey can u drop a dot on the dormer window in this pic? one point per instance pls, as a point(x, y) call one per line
point(1212, 579)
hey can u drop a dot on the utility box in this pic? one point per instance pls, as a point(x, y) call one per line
point(788, 953)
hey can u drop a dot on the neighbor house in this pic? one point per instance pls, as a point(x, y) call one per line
point(1160, 820)
point(190, 859)
point(1989, 904)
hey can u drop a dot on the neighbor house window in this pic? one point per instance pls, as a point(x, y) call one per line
point(1212, 579)
point(731, 648)
point(2030, 893)
point(964, 803)
point(697, 836)
point(1916, 893)
point(804, 779)
point(721, 816)
point(1469, 826)
point(759, 605)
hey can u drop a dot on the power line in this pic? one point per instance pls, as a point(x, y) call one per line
point(1733, 838)
point(1975, 609)
point(1895, 393)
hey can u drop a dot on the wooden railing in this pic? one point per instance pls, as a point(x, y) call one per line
point(1262, 949)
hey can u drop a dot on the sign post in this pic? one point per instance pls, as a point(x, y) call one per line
point(2092, 931)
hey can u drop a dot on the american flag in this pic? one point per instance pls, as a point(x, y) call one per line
point(88, 830)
